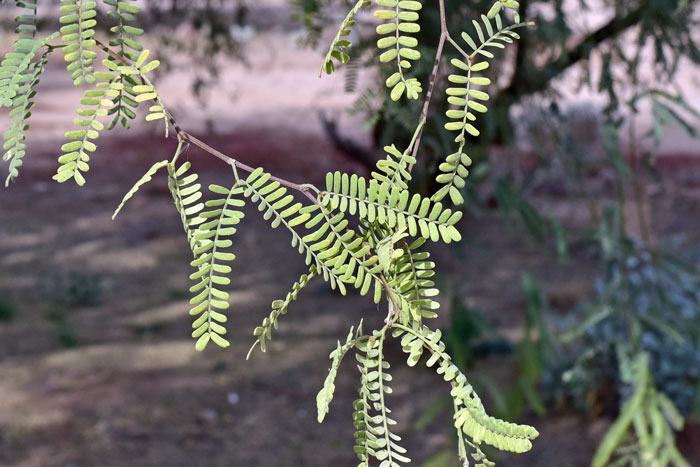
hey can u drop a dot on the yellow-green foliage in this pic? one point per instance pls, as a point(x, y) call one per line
point(19, 76)
point(76, 152)
point(124, 40)
point(77, 33)
point(470, 415)
point(211, 240)
point(397, 45)
point(279, 308)
point(468, 96)
point(356, 233)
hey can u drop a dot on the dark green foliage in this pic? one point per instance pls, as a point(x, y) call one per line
point(7, 310)
point(72, 288)
point(62, 330)
point(533, 352)
point(648, 301)
point(470, 335)
point(650, 415)
point(639, 333)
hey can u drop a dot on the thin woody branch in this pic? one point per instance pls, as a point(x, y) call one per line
point(444, 34)
point(185, 136)
point(305, 189)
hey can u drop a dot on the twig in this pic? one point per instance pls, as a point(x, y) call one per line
point(305, 188)
point(185, 136)
point(444, 34)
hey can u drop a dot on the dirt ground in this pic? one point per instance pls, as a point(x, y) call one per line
point(97, 367)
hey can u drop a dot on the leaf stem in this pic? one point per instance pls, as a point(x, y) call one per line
point(444, 35)
point(380, 380)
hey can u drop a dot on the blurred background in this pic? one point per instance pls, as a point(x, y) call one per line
point(581, 242)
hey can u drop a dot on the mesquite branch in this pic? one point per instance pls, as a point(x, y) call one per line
point(185, 136)
point(444, 34)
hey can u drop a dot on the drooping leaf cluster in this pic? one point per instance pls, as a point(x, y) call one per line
point(124, 13)
point(375, 437)
point(325, 395)
point(468, 99)
point(77, 32)
point(398, 45)
point(19, 75)
point(659, 298)
point(279, 308)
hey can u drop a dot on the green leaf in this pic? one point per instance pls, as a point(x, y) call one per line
point(147, 177)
